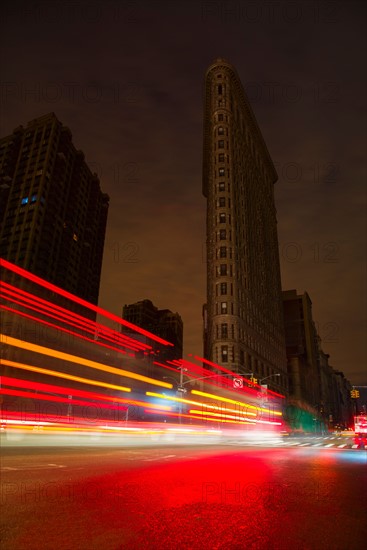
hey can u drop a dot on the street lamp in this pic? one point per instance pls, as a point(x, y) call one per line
point(265, 387)
point(270, 375)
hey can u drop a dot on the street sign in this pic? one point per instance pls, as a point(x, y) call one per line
point(238, 382)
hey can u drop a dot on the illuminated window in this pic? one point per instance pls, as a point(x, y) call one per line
point(220, 130)
point(24, 200)
point(221, 172)
point(222, 218)
point(223, 308)
point(222, 186)
point(33, 198)
point(75, 237)
point(224, 354)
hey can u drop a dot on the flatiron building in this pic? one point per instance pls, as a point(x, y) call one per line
point(243, 315)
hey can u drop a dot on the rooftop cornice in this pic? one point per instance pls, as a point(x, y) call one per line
point(221, 63)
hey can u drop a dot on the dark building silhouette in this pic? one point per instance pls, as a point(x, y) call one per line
point(243, 317)
point(53, 213)
point(314, 386)
point(302, 346)
point(161, 322)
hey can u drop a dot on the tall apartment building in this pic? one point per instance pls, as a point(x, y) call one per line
point(162, 322)
point(243, 317)
point(53, 211)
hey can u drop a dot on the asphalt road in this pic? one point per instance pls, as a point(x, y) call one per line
point(172, 497)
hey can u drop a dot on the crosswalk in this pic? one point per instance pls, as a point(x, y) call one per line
point(326, 442)
point(320, 442)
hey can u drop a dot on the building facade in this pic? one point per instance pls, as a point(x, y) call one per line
point(54, 213)
point(302, 349)
point(243, 317)
point(314, 386)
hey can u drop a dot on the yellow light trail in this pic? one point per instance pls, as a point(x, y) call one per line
point(178, 399)
point(49, 372)
point(221, 415)
point(227, 400)
point(4, 339)
point(199, 403)
point(208, 419)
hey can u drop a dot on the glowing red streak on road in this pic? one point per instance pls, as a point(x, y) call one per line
point(41, 282)
point(51, 388)
point(55, 398)
point(70, 318)
point(65, 330)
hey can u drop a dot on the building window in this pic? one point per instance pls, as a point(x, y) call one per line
point(221, 172)
point(221, 144)
point(222, 218)
point(220, 89)
point(224, 330)
point(222, 234)
point(24, 200)
point(220, 118)
point(224, 354)
point(223, 269)
point(223, 288)
point(223, 252)
point(223, 308)
point(221, 157)
point(222, 202)
point(220, 131)
point(222, 186)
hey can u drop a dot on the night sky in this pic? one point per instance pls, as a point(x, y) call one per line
point(127, 79)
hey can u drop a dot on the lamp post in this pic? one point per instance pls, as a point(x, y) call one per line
point(264, 388)
point(270, 375)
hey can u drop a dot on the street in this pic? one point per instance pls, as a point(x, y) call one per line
point(217, 497)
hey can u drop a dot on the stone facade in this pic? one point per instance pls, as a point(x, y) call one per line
point(243, 317)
